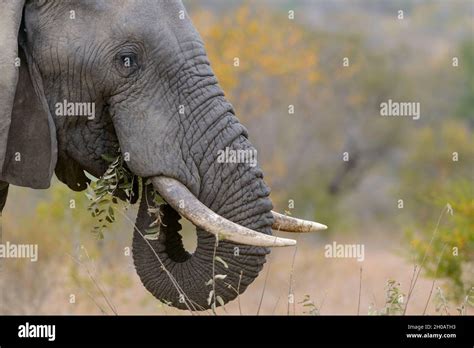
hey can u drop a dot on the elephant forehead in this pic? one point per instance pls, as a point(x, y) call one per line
point(131, 8)
point(150, 21)
point(110, 9)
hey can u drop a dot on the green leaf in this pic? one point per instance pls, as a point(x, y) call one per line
point(100, 190)
point(219, 259)
point(209, 299)
point(108, 158)
point(109, 176)
point(152, 230)
point(103, 201)
point(90, 177)
point(89, 196)
point(220, 300)
point(151, 236)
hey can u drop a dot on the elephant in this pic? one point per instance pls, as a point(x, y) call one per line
point(143, 67)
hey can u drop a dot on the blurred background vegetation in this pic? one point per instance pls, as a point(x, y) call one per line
point(406, 193)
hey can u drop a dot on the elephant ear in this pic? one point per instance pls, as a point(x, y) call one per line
point(28, 149)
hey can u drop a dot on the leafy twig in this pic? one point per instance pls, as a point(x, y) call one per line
point(100, 191)
point(307, 302)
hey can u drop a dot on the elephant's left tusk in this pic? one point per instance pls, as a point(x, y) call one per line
point(291, 224)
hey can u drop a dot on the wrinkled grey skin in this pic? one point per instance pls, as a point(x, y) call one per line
point(137, 109)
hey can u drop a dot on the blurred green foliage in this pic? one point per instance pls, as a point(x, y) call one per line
point(394, 300)
point(72, 261)
point(466, 105)
point(431, 181)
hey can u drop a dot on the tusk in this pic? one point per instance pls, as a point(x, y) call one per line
point(201, 216)
point(291, 224)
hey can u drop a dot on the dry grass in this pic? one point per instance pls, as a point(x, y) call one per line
point(333, 284)
point(107, 282)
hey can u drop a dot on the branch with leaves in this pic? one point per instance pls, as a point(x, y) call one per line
point(100, 192)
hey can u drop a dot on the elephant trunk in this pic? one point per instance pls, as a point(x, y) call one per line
point(214, 273)
point(194, 139)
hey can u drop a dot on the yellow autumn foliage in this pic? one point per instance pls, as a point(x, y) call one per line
point(259, 56)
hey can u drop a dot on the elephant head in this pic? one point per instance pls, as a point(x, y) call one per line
point(141, 66)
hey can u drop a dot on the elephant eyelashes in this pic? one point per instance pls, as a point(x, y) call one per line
point(127, 64)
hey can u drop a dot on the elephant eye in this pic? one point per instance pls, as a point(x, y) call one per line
point(128, 60)
point(127, 63)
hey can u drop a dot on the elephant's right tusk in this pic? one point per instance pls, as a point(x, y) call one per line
point(183, 201)
point(291, 224)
